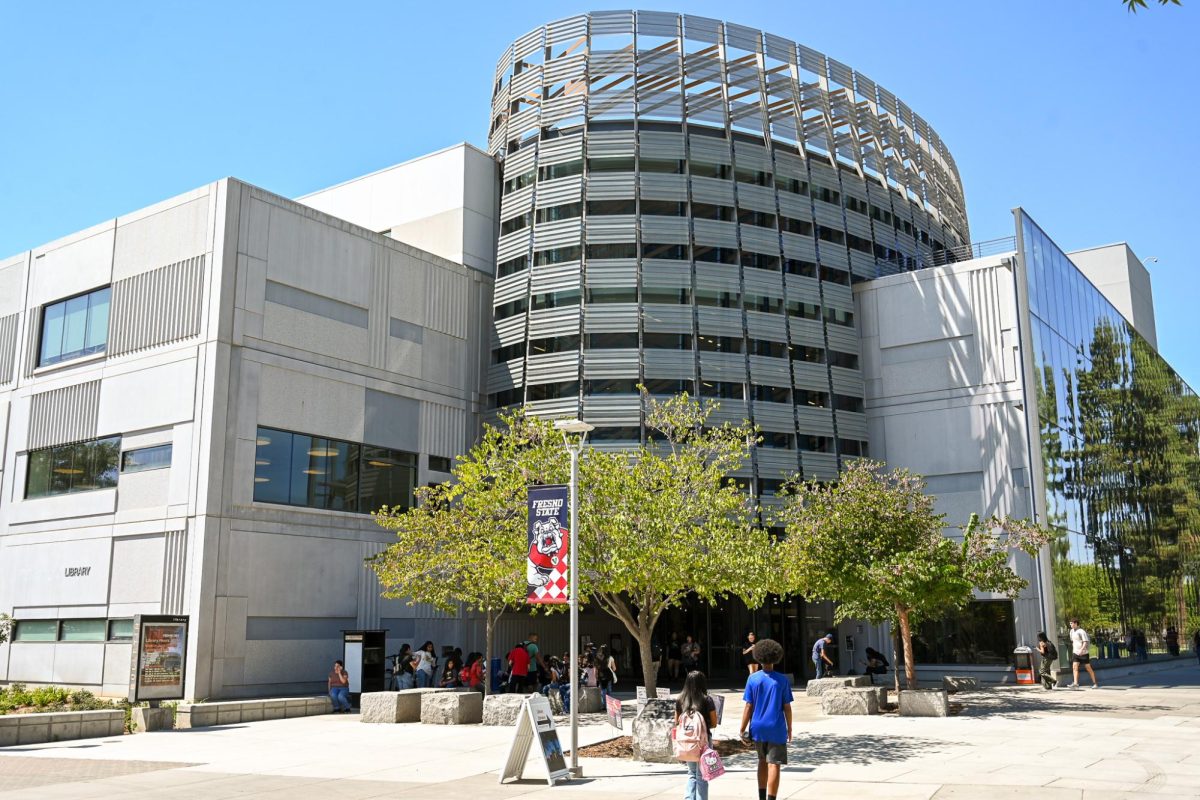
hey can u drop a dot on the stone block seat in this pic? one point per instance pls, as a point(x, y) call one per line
point(61, 726)
point(851, 700)
point(503, 709)
point(392, 707)
point(235, 712)
point(652, 732)
point(924, 703)
point(818, 686)
point(959, 683)
point(452, 708)
point(591, 701)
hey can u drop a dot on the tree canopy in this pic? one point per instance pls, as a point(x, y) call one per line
point(874, 543)
point(664, 521)
point(465, 540)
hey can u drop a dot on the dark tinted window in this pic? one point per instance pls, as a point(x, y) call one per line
point(68, 468)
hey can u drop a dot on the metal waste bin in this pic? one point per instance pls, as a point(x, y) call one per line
point(1023, 666)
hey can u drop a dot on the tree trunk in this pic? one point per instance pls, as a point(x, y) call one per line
point(649, 673)
point(490, 618)
point(910, 669)
point(895, 661)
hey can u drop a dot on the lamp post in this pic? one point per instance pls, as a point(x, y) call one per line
point(568, 426)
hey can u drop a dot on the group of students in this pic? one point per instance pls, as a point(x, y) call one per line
point(766, 723)
point(528, 670)
point(419, 669)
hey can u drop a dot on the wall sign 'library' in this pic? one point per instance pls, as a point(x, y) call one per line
point(77, 572)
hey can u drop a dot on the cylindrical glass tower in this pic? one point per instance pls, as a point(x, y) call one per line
point(686, 204)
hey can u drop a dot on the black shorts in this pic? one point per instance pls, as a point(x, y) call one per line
point(1076, 658)
point(771, 752)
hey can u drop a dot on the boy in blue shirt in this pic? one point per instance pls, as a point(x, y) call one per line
point(767, 717)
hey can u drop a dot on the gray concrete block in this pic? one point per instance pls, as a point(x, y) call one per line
point(959, 683)
point(818, 686)
point(65, 730)
point(590, 700)
point(9, 735)
point(652, 732)
point(90, 729)
point(850, 701)
point(116, 724)
point(152, 719)
point(452, 708)
point(33, 732)
point(229, 713)
point(379, 707)
point(273, 709)
point(503, 709)
point(252, 712)
point(924, 703)
point(296, 707)
point(320, 705)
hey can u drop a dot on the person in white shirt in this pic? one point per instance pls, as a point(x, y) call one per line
point(1080, 655)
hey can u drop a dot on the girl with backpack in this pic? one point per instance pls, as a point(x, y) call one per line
point(1049, 655)
point(606, 672)
point(695, 717)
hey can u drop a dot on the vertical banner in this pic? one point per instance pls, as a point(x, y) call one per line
point(546, 567)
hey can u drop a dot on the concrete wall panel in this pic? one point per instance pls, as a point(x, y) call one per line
point(148, 398)
point(70, 267)
point(172, 234)
point(308, 403)
point(137, 569)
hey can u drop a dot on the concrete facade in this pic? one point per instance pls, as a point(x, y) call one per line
point(1123, 279)
point(232, 308)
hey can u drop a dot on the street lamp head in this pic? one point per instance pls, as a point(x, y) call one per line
point(572, 426)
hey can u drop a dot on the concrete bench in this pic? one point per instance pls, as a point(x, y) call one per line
point(503, 709)
point(401, 706)
point(235, 712)
point(959, 683)
point(818, 686)
point(924, 703)
point(851, 701)
point(451, 708)
point(590, 700)
point(60, 726)
point(146, 720)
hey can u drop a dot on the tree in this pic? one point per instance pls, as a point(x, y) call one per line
point(465, 540)
point(873, 543)
point(1134, 5)
point(664, 520)
point(5, 627)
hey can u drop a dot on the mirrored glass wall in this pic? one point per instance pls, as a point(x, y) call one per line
point(1120, 437)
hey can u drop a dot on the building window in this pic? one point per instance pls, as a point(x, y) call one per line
point(439, 464)
point(673, 252)
point(75, 327)
point(555, 255)
point(611, 386)
point(310, 471)
point(844, 360)
point(669, 386)
point(553, 344)
point(612, 250)
point(566, 169)
point(667, 341)
point(982, 633)
point(120, 630)
point(146, 458)
point(852, 447)
point(606, 294)
point(512, 266)
point(552, 391)
point(36, 630)
point(68, 468)
point(507, 397)
point(613, 341)
point(515, 224)
point(609, 208)
point(511, 309)
point(83, 630)
point(664, 296)
point(630, 433)
point(557, 213)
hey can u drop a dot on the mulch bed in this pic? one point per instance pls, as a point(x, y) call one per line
point(622, 747)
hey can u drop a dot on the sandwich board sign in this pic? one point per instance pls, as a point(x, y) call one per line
point(719, 702)
point(535, 723)
point(614, 712)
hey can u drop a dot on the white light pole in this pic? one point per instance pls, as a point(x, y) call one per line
point(568, 426)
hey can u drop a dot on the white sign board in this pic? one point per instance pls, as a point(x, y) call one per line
point(536, 724)
point(353, 663)
point(641, 698)
point(663, 693)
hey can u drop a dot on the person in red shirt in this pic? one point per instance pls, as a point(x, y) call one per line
point(518, 666)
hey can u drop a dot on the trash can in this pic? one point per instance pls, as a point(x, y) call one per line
point(1023, 666)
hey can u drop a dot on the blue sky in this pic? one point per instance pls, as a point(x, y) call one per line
point(1084, 114)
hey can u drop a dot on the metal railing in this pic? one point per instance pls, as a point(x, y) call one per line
point(966, 252)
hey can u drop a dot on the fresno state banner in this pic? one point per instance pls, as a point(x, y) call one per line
point(548, 559)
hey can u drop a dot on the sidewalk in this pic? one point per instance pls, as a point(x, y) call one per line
point(1137, 735)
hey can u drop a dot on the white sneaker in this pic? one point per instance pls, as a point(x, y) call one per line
point(1072, 685)
point(1094, 686)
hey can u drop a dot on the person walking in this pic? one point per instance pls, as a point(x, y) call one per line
point(674, 656)
point(339, 688)
point(1080, 655)
point(748, 653)
point(1049, 653)
point(518, 668)
point(693, 704)
point(767, 716)
point(606, 670)
point(821, 660)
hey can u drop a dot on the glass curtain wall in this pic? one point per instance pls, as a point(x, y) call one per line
point(1120, 437)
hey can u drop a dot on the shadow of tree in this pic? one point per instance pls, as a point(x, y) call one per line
point(1020, 703)
point(817, 749)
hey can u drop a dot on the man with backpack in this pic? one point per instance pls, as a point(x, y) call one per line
point(767, 717)
point(1049, 655)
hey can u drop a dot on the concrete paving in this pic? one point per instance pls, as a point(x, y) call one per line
point(1138, 735)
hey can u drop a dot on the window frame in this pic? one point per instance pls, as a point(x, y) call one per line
point(85, 351)
point(167, 446)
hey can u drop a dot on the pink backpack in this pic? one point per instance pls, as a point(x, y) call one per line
point(689, 737)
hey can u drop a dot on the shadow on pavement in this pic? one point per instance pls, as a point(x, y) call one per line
point(1018, 704)
point(815, 750)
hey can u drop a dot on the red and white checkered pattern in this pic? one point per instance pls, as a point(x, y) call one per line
point(555, 591)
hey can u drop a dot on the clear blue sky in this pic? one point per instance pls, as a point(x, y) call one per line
point(1082, 113)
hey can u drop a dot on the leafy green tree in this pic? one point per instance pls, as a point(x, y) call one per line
point(465, 540)
point(5, 627)
point(873, 543)
point(664, 521)
point(1134, 5)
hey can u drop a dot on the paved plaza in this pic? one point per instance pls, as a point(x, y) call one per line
point(1137, 736)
